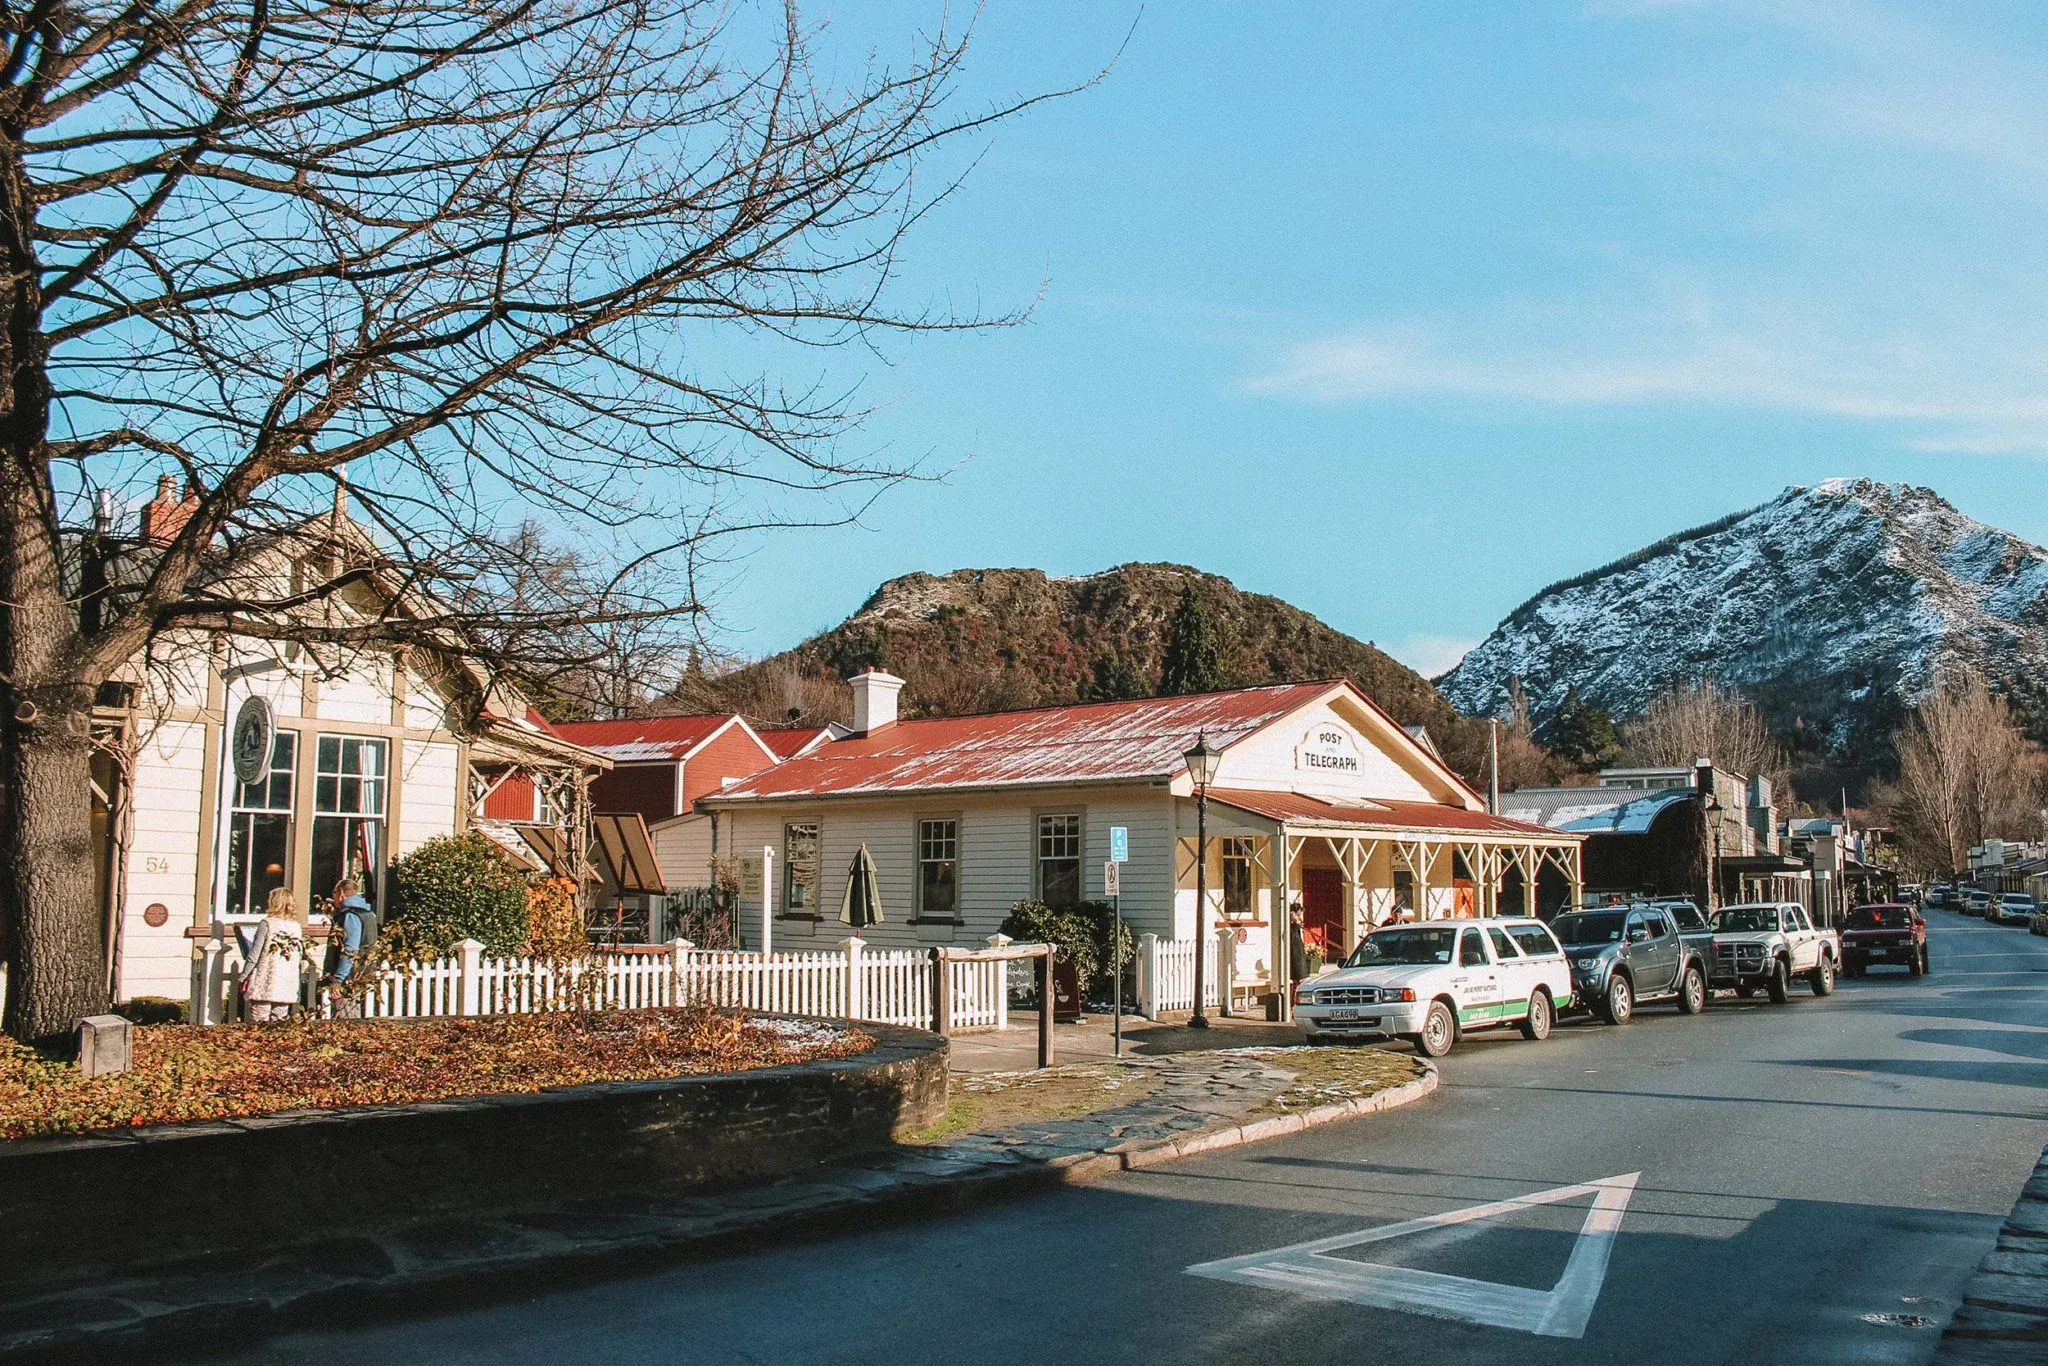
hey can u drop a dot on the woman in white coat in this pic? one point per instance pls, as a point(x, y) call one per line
point(276, 959)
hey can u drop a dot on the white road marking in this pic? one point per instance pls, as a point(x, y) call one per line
point(1560, 1312)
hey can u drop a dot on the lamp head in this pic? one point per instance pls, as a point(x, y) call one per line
point(1202, 761)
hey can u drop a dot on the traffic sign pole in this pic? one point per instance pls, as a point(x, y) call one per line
point(1112, 885)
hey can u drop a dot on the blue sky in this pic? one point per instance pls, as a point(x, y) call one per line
point(1399, 311)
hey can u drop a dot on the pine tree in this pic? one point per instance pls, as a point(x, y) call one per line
point(1116, 680)
point(1194, 649)
point(1582, 734)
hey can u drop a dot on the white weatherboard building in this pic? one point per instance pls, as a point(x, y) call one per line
point(231, 764)
point(1320, 797)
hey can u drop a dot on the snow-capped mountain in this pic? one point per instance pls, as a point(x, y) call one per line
point(1835, 606)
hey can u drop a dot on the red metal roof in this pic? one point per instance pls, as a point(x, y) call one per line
point(786, 743)
point(643, 739)
point(1426, 817)
point(1093, 742)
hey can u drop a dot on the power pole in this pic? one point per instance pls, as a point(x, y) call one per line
point(1493, 766)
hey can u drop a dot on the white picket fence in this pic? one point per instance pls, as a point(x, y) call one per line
point(888, 986)
point(1166, 972)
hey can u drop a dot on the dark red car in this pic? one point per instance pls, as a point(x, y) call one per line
point(1888, 932)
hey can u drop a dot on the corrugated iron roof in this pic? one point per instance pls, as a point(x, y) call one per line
point(1092, 742)
point(1632, 818)
point(1377, 815)
point(790, 742)
point(647, 739)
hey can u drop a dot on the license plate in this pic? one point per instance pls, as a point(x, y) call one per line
point(1342, 1015)
point(1880, 953)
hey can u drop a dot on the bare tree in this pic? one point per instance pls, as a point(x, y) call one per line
point(479, 257)
point(1967, 773)
point(1703, 720)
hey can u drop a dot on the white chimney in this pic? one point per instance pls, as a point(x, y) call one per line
point(874, 700)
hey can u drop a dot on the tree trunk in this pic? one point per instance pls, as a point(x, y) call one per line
point(56, 964)
point(56, 955)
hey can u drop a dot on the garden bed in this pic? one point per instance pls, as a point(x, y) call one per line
point(182, 1073)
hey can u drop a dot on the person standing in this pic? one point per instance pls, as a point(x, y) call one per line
point(356, 925)
point(1297, 944)
point(277, 957)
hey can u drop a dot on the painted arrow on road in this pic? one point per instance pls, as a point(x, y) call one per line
point(1560, 1312)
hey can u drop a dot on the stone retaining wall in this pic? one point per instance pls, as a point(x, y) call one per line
point(104, 1204)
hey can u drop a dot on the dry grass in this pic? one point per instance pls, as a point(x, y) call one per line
point(1325, 1076)
point(236, 1071)
point(983, 1102)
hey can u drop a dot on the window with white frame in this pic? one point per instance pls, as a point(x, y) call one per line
point(1237, 875)
point(938, 869)
point(800, 869)
point(351, 783)
point(1059, 859)
point(260, 830)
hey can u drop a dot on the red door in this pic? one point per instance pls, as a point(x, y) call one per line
point(1322, 910)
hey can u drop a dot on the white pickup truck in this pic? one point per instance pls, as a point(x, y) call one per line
point(1429, 983)
point(1766, 944)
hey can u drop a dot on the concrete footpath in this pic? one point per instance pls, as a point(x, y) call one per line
point(2003, 1318)
point(1195, 1103)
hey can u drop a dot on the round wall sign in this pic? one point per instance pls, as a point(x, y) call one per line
point(156, 915)
point(250, 741)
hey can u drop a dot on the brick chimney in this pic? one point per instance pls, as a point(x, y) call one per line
point(165, 515)
point(874, 700)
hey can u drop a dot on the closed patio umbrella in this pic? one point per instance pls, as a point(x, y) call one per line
point(862, 904)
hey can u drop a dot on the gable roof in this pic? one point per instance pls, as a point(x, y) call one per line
point(790, 741)
point(653, 739)
point(1132, 741)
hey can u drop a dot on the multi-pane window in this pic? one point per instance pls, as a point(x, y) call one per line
point(1237, 875)
point(1059, 860)
point(800, 868)
point(938, 868)
point(351, 781)
point(260, 830)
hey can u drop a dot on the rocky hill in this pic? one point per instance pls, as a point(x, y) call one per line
point(985, 639)
point(1835, 606)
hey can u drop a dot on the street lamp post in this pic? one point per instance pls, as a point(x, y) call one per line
point(1201, 762)
point(1714, 869)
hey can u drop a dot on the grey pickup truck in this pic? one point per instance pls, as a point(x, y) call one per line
point(1625, 956)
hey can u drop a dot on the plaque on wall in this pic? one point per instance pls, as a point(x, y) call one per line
point(156, 915)
point(251, 738)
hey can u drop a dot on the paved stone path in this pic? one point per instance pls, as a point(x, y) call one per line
point(459, 1262)
point(2004, 1314)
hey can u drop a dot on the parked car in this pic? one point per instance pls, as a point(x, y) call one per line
point(1976, 901)
point(2011, 908)
point(2039, 924)
point(1633, 955)
point(1767, 944)
point(1432, 982)
point(1884, 932)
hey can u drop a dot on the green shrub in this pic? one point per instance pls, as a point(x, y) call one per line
point(1100, 918)
point(1073, 941)
point(459, 887)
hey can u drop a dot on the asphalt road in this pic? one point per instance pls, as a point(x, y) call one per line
point(1816, 1182)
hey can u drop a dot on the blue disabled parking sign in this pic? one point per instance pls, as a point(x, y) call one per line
point(1119, 844)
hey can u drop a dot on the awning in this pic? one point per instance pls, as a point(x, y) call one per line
point(1388, 817)
point(552, 844)
point(628, 853)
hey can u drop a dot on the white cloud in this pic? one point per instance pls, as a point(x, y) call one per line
point(1431, 655)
